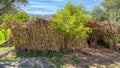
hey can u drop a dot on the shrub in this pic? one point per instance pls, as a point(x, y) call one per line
point(4, 35)
point(70, 22)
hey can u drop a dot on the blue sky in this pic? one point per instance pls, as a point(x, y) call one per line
point(46, 7)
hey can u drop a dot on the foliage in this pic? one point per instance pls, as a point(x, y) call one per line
point(76, 60)
point(70, 21)
point(110, 10)
point(14, 17)
point(7, 48)
point(99, 14)
point(112, 7)
point(8, 5)
point(4, 35)
point(24, 53)
point(12, 58)
point(57, 63)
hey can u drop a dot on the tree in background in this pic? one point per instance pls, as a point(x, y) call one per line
point(110, 10)
point(112, 7)
point(70, 21)
point(7, 5)
point(99, 14)
point(10, 5)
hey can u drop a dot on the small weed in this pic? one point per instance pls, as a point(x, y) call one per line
point(55, 53)
point(84, 66)
point(25, 53)
point(7, 48)
point(56, 62)
point(44, 60)
point(2, 41)
point(13, 58)
point(75, 60)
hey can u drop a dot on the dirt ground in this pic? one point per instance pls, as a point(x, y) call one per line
point(97, 57)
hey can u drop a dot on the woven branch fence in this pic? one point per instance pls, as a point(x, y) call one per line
point(40, 36)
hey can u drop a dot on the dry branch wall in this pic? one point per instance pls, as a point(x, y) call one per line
point(40, 36)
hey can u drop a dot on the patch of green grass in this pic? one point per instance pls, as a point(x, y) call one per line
point(56, 62)
point(55, 53)
point(76, 60)
point(2, 41)
point(25, 53)
point(7, 48)
point(118, 40)
point(44, 60)
point(13, 58)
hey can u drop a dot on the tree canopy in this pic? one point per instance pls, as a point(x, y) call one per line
point(110, 10)
point(99, 14)
point(7, 5)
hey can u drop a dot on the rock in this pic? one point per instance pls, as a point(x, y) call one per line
point(35, 62)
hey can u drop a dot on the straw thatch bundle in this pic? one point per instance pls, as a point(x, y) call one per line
point(40, 36)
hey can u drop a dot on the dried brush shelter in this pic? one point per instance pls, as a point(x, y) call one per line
point(103, 32)
point(39, 35)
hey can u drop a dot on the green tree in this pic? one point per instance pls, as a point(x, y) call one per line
point(10, 5)
point(70, 21)
point(99, 14)
point(112, 7)
point(7, 5)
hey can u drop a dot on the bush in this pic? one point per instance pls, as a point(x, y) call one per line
point(70, 22)
point(4, 35)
